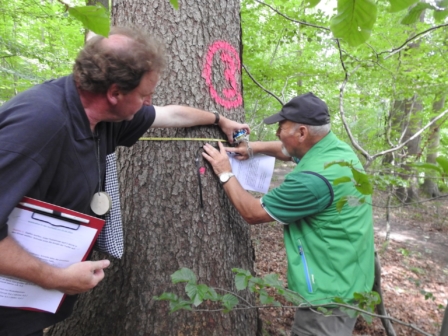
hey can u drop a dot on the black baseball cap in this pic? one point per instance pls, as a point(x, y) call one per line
point(304, 109)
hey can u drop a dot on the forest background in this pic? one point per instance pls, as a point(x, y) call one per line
point(384, 79)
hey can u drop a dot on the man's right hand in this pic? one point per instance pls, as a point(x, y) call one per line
point(240, 152)
point(75, 279)
point(81, 276)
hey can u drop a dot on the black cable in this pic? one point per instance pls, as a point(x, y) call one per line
point(198, 170)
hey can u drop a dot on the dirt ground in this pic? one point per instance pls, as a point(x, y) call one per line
point(414, 266)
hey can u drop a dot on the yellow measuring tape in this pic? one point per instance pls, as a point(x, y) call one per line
point(182, 139)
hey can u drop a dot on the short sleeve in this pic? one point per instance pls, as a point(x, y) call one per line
point(300, 195)
point(130, 131)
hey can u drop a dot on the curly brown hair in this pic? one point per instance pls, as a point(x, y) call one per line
point(100, 64)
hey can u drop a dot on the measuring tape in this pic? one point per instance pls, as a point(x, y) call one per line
point(181, 139)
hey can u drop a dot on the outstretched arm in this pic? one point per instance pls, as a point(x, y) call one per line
point(271, 148)
point(184, 116)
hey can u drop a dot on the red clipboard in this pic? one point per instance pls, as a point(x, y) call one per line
point(70, 216)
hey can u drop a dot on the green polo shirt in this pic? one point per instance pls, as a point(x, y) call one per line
point(300, 195)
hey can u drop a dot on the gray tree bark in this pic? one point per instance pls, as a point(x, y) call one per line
point(165, 227)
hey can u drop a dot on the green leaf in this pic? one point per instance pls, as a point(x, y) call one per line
point(166, 297)
point(343, 179)
point(367, 317)
point(183, 275)
point(426, 166)
point(241, 271)
point(414, 14)
point(211, 295)
point(440, 15)
point(273, 281)
point(323, 310)
point(175, 306)
point(293, 297)
point(241, 281)
point(94, 18)
point(443, 162)
point(399, 5)
point(229, 301)
point(197, 293)
point(175, 4)
point(311, 3)
point(350, 312)
point(337, 299)
point(265, 299)
point(362, 182)
point(354, 21)
point(340, 204)
point(254, 282)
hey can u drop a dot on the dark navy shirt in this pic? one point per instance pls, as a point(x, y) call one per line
point(48, 152)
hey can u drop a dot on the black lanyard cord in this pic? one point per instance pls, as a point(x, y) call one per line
point(198, 171)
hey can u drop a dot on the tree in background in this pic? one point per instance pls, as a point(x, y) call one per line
point(37, 42)
point(166, 227)
point(362, 82)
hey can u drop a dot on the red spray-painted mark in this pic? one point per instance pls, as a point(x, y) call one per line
point(230, 96)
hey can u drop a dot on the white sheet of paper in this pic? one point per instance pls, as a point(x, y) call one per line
point(254, 174)
point(56, 245)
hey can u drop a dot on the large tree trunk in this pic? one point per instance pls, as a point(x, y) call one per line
point(165, 227)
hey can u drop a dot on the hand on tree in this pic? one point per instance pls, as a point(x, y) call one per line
point(218, 159)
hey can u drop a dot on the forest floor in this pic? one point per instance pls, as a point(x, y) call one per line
point(414, 265)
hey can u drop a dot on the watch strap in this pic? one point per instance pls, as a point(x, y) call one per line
point(216, 117)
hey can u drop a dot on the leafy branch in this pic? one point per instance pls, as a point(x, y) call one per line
point(405, 43)
point(198, 293)
point(291, 19)
point(261, 86)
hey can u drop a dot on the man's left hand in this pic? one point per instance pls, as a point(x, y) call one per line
point(217, 158)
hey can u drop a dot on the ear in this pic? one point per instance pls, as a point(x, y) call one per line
point(302, 133)
point(113, 94)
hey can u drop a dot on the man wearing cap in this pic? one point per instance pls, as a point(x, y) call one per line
point(330, 253)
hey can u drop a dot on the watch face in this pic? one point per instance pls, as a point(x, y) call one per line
point(224, 177)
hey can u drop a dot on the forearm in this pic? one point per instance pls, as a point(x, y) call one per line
point(17, 262)
point(247, 205)
point(182, 116)
point(271, 148)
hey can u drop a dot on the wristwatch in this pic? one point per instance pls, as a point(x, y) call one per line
point(224, 177)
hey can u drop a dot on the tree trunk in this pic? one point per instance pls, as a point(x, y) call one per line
point(409, 124)
point(430, 186)
point(165, 227)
